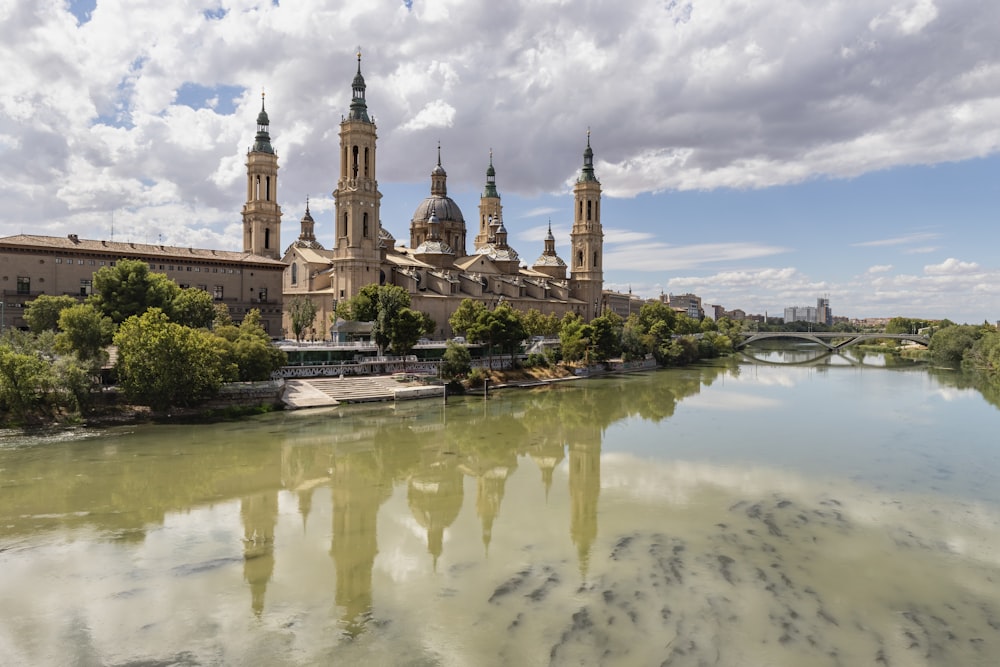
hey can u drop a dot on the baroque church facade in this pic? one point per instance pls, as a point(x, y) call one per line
point(437, 268)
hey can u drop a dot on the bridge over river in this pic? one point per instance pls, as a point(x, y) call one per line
point(831, 340)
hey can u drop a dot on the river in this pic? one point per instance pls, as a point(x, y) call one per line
point(742, 512)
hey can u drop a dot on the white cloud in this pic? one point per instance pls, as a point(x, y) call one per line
point(880, 268)
point(434, 114)
point(951, 266)
point(659, 256)
point(907, 239)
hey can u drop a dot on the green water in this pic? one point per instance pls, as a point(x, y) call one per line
point(732, 514)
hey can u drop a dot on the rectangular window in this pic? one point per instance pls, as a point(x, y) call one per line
point(102, 262)
point(217, 293)
point(197, 269)
point(58, 260)
point(262, 295)
point(79, 261)
point(189, 268)
point(215, 269)
point(86, 286)
point(184, 285)
point(91, 262)
point(203, 288)
point(23, 285)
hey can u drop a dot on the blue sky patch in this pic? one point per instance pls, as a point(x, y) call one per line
point(221, 99)
point(82, 9)
point(216, 14)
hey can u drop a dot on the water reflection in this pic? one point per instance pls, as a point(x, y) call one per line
point(534, 526)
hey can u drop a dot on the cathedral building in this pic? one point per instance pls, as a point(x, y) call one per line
point(437, 268)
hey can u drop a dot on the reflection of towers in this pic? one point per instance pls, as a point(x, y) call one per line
point(491, 480)
point(547, 456)
point(584, 489)
point(357, 494)
point(259, 514)
point(435, 496)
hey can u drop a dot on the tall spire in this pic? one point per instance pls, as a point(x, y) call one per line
point(491, 180)
point(262, 142)
point(359, 109)
point(439, 178)
point(587, 173)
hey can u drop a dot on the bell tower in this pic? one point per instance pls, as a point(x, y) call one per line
point(357, 224)
point(489, 206)
point(261, 213)
point(587, 239)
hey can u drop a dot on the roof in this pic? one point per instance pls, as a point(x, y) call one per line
point(128, 249)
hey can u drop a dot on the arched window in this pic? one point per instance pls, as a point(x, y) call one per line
point(267, 238)
point(343, 225)
point(295, 273)
point(366, 165)
point(364, 223)
point(595, 259)
point(256, 190)
point(354, 168)
point(267, 189)
point(588, 209)
point(579, 258)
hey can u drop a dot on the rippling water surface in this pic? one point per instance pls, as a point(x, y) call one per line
point(732, 514)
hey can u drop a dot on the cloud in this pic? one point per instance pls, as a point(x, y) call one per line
point(907, 239)
point(638, 255)
point(880, 268)
point(434, 114)
point(951, 266)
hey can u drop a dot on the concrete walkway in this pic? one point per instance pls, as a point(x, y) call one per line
point(328, 391)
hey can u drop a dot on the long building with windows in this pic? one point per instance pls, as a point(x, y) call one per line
point(34, 265)
point(436, 266)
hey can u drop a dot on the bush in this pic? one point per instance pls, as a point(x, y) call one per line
point(477, 378)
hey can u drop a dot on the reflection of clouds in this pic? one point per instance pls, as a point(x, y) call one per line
point(951, 394)
point(732, 401)
point(968, 529)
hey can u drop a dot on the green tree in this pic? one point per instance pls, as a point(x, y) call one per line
point(192, 307)
point(379, 304)
point(950, 344)
point(536, 324)
point(606, 341)
point(43, 312)
point(406, 329)
point(129, 288)
point(163, 364)
point(85, 331)
point(303, 312)
point(253, 353)
point(506, 329)
point(984, 355)
point(466, 316)
point(574, 337)
point(26, 381)
point(456, 362)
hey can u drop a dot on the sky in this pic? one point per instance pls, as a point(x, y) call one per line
point(758, 153)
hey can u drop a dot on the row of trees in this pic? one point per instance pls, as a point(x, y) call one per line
point(175, 346)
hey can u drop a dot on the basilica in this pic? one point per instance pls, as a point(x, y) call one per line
point(437, 267)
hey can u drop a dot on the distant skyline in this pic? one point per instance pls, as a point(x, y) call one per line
point(758, 154)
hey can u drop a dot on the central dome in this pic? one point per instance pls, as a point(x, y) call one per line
point(444, 208)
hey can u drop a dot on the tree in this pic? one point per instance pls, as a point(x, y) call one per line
point(949, 345)
point(303, 312)
point(252, 352)
point(456, 362)
point(405, 330)
point(25, 382)
point(574, 337)
point(380, 305)
point(85, 331)
point(606, 340)
point(43, 312)
point(192, 307)
point(129, 288)
point(465, 317)
point(536, 324)
point(163, 364)
point(984, 355)
point(507, 329)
